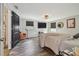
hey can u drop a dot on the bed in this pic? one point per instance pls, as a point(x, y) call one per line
point(69, 44)
point(53, 40)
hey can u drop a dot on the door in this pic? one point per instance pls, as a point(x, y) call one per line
point(15, 29)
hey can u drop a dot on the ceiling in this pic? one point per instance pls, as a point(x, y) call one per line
point(54, 10)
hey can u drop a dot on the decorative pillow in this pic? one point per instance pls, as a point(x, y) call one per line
point(76, 36)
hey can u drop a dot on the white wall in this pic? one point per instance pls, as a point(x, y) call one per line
point(32, 31)
point(1, 42)
point(71, 31)
point(9, 29)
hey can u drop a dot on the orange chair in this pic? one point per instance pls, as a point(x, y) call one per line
point(22, 36)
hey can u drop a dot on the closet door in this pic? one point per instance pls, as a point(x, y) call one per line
point(15, 29)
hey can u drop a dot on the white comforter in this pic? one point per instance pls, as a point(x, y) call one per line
point(53, 41)
point(69, 44)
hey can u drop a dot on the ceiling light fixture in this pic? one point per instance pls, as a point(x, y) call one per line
point(45, 14)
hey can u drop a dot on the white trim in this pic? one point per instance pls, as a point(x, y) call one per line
point(9, 29)
point(2, 49)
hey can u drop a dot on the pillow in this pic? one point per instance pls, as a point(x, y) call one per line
point(76, 36)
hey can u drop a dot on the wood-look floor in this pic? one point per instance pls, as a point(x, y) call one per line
point(29, 47)
point(6, 51)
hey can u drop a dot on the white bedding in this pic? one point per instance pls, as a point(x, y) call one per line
point(44, 36)
point(68, 44)
point(53, 41)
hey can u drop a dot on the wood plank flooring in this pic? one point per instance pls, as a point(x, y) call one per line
point(29, 47)
point(6, 51)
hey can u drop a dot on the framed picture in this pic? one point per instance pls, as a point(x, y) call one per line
point(71, 23)
point(53, 25)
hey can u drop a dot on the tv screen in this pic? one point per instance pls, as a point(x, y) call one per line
point(53, 25)
point(29, 23)
point(41, 25)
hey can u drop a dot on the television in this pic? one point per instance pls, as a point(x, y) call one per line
point(41, 25)
point(29, 23)
point(53, 25)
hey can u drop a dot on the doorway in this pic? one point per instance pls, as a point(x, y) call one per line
point(15, 29)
